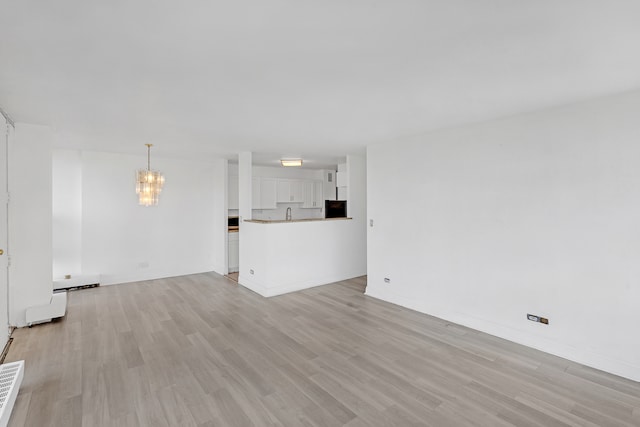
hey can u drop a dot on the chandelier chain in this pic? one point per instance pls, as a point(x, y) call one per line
point(149, 156)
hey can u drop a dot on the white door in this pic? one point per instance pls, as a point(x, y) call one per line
point(4, 303)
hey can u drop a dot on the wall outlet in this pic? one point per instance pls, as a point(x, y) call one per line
point(387, 280)
point(537, 319)
point(251, 271)
point(370, 223)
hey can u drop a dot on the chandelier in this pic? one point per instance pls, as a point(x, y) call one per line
point(148, 183)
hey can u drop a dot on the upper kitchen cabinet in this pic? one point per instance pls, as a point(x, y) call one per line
point(263, 193)
point(313, 194)
point(329, 183)
point(290, 191)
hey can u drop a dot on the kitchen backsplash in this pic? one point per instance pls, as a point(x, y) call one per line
point(296, 212)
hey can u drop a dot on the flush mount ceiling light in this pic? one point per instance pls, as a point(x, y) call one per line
point(291, 162)
point(148, 183)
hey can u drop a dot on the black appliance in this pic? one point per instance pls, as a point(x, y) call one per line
point(233, 222)
point(335, 208)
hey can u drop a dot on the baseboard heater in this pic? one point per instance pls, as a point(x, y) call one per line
point(11, 375)
point(77, 282)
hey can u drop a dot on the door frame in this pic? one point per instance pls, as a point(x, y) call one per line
point(6, 130)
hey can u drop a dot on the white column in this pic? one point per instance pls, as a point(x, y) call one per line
point(30, 228)
point(220, 212)
point(244, 185)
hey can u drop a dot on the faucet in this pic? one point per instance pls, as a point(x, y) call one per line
point(288, 215)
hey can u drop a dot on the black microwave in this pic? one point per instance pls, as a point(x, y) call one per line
point(335, 208)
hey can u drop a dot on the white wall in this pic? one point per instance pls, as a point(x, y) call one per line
point(30, 227)
point(124, 241)
point(356, 171)
point(67, 212)
point(537, 213)
point(220, 225)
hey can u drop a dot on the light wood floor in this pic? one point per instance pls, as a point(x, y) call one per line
point(202, 351)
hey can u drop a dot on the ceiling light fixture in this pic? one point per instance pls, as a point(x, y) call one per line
point(291, 162)
point(148, 183)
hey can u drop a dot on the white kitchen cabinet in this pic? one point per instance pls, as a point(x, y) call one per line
point(234, 252)
point(313, 194)
point(232, 195)
point(290, 191)
point(268, 193)
point(318, 194)
point(297, 191)
point(329, 184)
point(342, 180)
point(283, 193)
point(263, 193)
point(255, 193)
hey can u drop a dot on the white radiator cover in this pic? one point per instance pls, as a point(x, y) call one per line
point(11, 375)
point(76, 281)
point(57, 307)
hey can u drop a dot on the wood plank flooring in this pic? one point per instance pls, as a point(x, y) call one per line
point(202, 351)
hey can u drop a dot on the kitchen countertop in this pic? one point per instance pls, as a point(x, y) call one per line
point(279, 221)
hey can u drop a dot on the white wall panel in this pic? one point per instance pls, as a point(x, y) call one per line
point(536, 213)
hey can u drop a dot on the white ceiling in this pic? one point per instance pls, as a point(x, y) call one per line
point(317, 79)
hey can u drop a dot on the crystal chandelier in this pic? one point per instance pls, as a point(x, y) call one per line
point(148, 183)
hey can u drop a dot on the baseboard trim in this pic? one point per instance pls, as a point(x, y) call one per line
point(5, 351)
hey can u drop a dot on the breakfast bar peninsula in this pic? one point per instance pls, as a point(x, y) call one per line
point(280, 256)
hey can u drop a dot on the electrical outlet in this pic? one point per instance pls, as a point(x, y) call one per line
point(370, 223)
point(251, 271)
point(537, 319)
point(387, 280)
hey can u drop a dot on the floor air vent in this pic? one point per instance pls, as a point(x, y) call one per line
point(10, 379)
